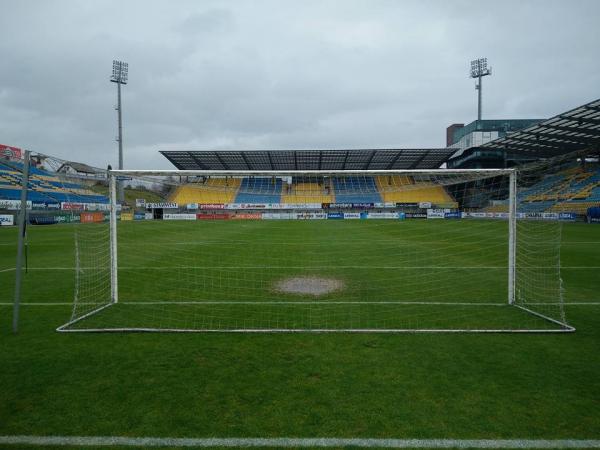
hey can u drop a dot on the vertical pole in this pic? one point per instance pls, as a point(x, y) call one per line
point(114, 290)
point(512, 236)
point(21, 238)
point(120, 120)
point(479, 97)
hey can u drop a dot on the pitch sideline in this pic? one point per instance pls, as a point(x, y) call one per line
point(298, 442)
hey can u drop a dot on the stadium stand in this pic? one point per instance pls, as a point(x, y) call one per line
point(356, 190)
point(403, 189)
point(303, 191)
point(576, 188)
point(43, 186)
point(212, 190)
point(260, 190)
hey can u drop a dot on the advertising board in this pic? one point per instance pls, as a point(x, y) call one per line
point(7, 219)
point(180, 216)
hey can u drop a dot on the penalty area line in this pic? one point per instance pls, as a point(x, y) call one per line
point(298, 442)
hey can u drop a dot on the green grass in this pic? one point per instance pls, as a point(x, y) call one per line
point(332, 385)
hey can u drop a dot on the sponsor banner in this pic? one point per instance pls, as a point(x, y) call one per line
point(148, 216)
point(452, 215)
point(163, 205)
point(311, 216)
point(247, 216)
point(191, 206)
point(97, 206)
point(567, 216)
point(299, 205)
point(351, 215)
point(382, 215)
point(216, 216)
point(594, 219)
point(53, 206)
point(67, 218)
point(13, 204)
point(126, 216)
point(389, 205)
point(7, 219)
point(537, 215)
point(268, 206)
point(335, 215)
point(479, 215)
point(406, 205)
point(11, 152)
point(279, 216)
point(435, 213)
point(140, 202)
point(424, 205)
point(38, 205)
point(248, 206)
point(92, 217)
point(378, 205)
point(139, 216)
point(67, 206)
point(209, 206)
point(415, 215)
point(349, 205)
point(181, 216)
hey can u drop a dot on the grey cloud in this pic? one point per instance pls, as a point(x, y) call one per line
point(271, 74)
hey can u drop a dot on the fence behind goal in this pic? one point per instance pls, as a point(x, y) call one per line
point(378, 251)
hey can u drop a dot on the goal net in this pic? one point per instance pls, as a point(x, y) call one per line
point(318, 251)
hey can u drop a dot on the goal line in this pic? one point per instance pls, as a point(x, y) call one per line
point(287, 442)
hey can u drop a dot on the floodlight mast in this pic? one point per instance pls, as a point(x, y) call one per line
point(479, 69)
point(119, 75)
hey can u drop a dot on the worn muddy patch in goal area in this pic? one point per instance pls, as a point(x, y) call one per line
point(315, 286)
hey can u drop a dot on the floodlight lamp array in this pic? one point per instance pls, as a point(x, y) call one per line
point(479, 68)
point(119, 72)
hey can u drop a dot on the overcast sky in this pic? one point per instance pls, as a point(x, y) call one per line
point(282, 74)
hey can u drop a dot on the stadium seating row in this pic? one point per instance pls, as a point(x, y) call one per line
point(396, 188)
point(43, 186)
point(572, 190)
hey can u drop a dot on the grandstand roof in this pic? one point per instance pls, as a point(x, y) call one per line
point(375, 159)
point(571, 131)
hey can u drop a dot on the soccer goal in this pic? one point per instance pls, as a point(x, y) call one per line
point(322, 251)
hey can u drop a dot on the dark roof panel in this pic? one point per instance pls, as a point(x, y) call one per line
point(574, 130)
point(371, 159)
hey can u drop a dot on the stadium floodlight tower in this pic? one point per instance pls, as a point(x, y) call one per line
point(479, 69)
point(119, 76)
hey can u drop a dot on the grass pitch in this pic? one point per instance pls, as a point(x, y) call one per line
point(372, 386)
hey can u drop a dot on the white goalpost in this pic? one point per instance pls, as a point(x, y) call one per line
point(364, 251)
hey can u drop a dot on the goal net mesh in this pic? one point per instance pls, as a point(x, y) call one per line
point(397, 251)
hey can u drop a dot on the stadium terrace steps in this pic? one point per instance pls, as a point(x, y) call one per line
point(355, 190)
point(578, 188)
point(213, 190)
point(43, 187)
point(303, 192)
point(260, 190)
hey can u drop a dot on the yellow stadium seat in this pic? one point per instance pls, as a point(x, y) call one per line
point(213, 190)
point(306, 193)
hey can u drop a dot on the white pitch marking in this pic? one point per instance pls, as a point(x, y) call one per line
point(86, 441)
point(10, 269)
point(306, 303)
point(307, 267)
